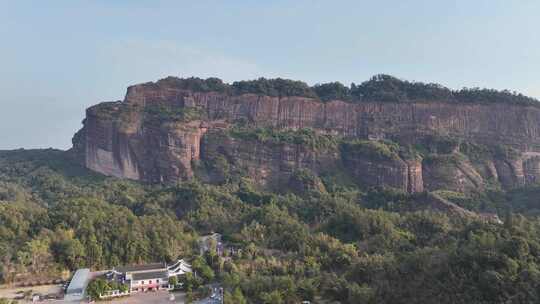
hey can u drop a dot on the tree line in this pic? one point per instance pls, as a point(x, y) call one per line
point(379, 88)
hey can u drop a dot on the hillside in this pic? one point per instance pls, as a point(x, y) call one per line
point(327, 241)
point(340, 199)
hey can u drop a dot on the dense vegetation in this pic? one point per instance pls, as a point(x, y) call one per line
point(383, 88)
point(377, 150)
point(100, 286)
point(306, 137)
point(168, 113)
point(337, 245)
point(320, 142)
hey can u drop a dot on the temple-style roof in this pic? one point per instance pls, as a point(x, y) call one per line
point(180, 267)
point(143, 267)
point(150, 275)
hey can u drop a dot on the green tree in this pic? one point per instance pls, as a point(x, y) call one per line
point(173, 281)
point(237, 297)
point(96, 288)
point(70, 252)
point(94, 253)
point(273, 297)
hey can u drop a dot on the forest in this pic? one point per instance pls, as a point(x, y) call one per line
point(333, 244)
point(380, 88)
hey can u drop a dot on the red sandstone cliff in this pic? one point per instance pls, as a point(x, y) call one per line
point(118, 138)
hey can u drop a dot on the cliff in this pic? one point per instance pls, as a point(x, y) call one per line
point(163, 132)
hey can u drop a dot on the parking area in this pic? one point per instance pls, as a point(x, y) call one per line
point(158, 297)
point(9, 292)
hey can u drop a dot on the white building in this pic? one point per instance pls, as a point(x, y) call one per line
point(152, 276)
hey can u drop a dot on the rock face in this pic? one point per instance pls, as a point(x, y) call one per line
point(455, 174)
point(270, 164)
point(107, 147)
point(498, 123)
point(122, 143)
point(388, 171)
point(122, 139)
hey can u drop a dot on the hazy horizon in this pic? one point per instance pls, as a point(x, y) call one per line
point(59, 59)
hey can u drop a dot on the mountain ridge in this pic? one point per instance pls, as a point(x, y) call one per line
point(160, 133)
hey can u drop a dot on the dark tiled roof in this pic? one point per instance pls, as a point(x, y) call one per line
point(150, 275)
point(144, 267)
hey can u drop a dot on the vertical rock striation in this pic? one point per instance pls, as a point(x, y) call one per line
point(121, 139)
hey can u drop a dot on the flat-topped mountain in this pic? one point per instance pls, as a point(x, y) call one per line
point(387, 192)
point(383, 132)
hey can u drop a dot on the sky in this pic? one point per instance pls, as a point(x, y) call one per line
point(59, 57)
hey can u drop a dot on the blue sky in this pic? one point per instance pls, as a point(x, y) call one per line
point(59, 57)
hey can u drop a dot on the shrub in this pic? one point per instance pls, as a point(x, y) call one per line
point(195, 84)
point(378, 150)
point(332, 91)
point(278, 87)
point(173, 113)
point(441, 144)
point(306, 137)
